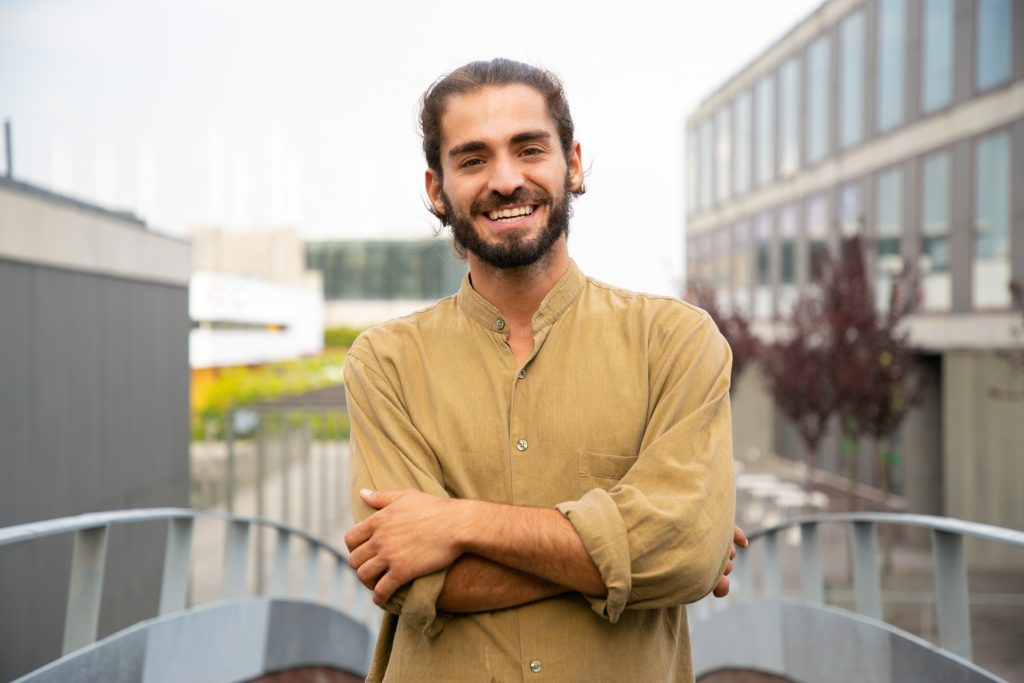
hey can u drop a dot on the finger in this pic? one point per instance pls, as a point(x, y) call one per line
point(722, 589)
point(740, 538)
point(369, 572)
point(732, 552)
point(728, 568)
point(358, 557)
point(384, 589)
point(379, 499)
point(358, 535)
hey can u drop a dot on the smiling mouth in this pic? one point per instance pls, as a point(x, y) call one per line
point(509, 215)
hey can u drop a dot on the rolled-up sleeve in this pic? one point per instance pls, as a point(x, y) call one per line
point(662, 534)
point(387, 452)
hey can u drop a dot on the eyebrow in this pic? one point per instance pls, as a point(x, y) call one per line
point(518, 138)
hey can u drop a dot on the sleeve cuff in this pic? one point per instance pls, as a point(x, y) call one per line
point(599, 525)
point(416, 604)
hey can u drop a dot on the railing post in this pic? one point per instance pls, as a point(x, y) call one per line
point(307, 490)
point(866, 585)
point(286, 479)
point(325, 482)
point(229, 440)
point(812, 582)
point(772, 566)
point(261, 469)
point(177, 558)
point(310, 586)
point(237, 564)
point(952, 602)
point(282, 559)
point(85, 590)
point(337, 581)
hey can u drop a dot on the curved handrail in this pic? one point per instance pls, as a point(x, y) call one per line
point(933, 522)
point(94, 520)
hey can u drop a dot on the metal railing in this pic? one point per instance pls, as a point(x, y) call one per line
point(88, 565)
point(949, 566)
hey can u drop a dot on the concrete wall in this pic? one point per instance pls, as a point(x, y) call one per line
point(93, 406)
point(984, 443)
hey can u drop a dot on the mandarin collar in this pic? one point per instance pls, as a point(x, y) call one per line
point(554, 304)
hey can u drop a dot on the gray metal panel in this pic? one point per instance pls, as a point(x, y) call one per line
point(1017, 178)
point(806, 642)
point(912, 63)
point(1018, 41)
point(963, 52)
point(871, 68)
point(93, 415)
point(961, 225)
point(341, 642)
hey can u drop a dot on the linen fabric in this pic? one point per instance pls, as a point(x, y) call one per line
point(619, 419)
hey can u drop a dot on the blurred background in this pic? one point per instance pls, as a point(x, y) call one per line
point(203, 203)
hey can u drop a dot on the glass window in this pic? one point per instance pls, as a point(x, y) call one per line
point(851, 210)
point(851, 79)
point(763, 273)
point(691, 171)
point(722, 243)
point(816, 224)
point(992, 221)
point(993, 44)
point(937, 55)
point(787, 259)
point(889, 230)
point(936, 284)
point(706, 164)
point(789, 116)
point(723, 153)
point(819, 80)
point(744, 116)
point(765, 94)
point(891, 44)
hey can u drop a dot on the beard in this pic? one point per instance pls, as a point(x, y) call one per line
point(513, 250)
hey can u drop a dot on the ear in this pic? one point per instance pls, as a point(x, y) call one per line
point(434, 187)
point(575, 161)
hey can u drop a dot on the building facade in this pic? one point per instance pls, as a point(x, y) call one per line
point(369, 281)
point(901, 120)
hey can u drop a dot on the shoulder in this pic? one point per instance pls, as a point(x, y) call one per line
point(399, 337)
point(657, 312)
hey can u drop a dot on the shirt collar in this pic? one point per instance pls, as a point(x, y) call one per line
point(554, 304)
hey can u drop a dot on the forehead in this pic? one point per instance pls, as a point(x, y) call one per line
point(493, 114)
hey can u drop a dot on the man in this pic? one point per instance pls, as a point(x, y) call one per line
point(542, 464)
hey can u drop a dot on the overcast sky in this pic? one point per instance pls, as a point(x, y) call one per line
point(259, 114)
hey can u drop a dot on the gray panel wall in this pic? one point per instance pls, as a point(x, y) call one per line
point(93, 416)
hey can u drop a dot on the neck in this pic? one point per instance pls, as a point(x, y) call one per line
point(517, 292)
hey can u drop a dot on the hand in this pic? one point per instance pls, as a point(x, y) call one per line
point(739, 539)
point(409, 536)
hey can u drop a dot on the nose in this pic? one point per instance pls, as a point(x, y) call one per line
point(506, 176)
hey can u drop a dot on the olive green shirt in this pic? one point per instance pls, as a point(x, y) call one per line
point(619, 419)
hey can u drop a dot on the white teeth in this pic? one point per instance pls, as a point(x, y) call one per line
point(510, 213)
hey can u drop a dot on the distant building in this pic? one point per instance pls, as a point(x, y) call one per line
point(93, 404)
point(903, 119)
point(368, 282)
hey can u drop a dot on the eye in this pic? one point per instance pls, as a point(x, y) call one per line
point(532, 151)
point(471, 162)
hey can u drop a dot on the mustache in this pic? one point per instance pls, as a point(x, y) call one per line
point(521, 195)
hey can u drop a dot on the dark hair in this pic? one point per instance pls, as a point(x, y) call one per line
point(476, 75)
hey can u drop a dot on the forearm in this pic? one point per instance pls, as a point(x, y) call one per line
point(476, 584)
point(538, 541)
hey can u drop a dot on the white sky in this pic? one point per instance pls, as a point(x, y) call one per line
point(258, 114)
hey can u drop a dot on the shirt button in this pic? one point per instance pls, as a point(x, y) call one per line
point(499, 324)
point(522, 445)
point(535, 666)
point(522, 374)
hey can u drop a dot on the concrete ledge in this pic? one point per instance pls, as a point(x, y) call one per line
point(807, 642)
point(227, 641)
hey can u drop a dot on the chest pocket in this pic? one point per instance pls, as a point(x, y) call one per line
point(601, 470)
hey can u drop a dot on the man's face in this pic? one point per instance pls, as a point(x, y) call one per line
point(506, 181)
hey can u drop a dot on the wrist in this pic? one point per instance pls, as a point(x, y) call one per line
point(464, 524)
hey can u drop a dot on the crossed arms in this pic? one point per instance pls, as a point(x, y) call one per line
point(656, 539)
